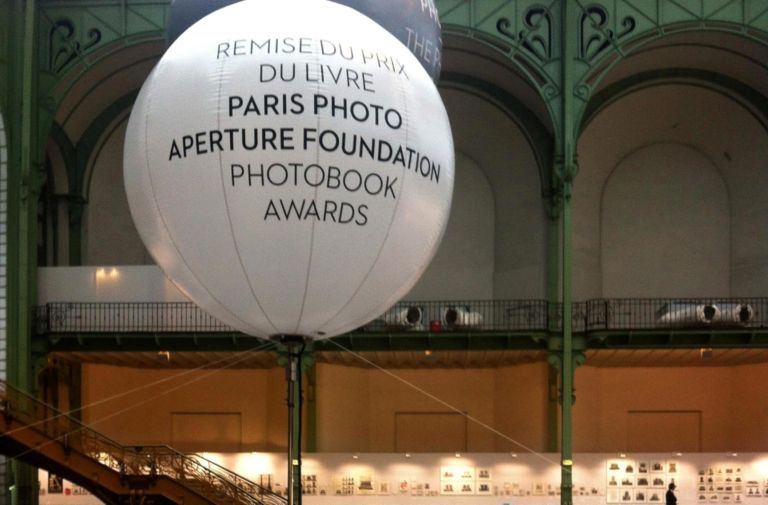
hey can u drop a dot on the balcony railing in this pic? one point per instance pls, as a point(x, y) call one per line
point(467, 316)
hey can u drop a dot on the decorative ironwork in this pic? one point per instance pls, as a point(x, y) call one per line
point(595, 34)
point(204, 477)
point(537, 37)
point(63, 46)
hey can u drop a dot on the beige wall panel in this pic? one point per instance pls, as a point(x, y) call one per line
point(653, 430)
point(468, 390)
point(749, 407)
point(605, 397)
point(430, 432)
point(276, 408)
point(215, 431)
point(142, 403)
point(344, 403)
point(521, 407)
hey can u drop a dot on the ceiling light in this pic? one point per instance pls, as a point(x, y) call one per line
point(407, 454)
point(458, 454)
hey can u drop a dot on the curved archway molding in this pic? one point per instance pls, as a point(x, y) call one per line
point(535, 132)
point(752, 100)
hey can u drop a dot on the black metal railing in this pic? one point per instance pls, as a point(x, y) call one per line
point(466, 316)
point(140, 317)
point(676, 313)
point(202, 476)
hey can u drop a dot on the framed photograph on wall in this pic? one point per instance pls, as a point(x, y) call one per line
point(626, 496)
point(641, 495)
point(613, 496)
point(55, 483)
point(614, 466)
point(642, 467)
point(654, 496)
point(467, 488)
point(657, 467)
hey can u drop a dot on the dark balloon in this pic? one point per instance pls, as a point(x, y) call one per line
point(185, 13)
point(414, 22)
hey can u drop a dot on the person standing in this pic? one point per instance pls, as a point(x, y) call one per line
point(671, 499)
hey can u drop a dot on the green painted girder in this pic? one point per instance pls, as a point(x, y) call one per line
point(607, 31)
point(679, 339)
point(233, 341)
point(528, 33)
point(70, 30)
point(407, 341)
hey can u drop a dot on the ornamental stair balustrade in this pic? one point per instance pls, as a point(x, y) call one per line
point(36, 433)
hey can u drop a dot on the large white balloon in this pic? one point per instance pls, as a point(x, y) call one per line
point(289, 165)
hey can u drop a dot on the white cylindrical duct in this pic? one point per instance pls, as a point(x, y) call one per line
point(404, 318)
point(461, 317)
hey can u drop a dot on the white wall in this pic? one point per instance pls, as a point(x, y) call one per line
point(110, 235)
point(665, 225)
point(464, 265)
point(690, 159)
point(486, 136)
point(105, 284)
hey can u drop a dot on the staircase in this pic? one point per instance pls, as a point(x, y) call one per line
point(36, 433)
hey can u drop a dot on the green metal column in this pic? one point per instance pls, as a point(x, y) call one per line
point(23, 190)
point(566, 171)
point(553, 323)
point(311, 402)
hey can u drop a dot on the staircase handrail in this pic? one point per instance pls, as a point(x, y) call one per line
point(149, 461)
